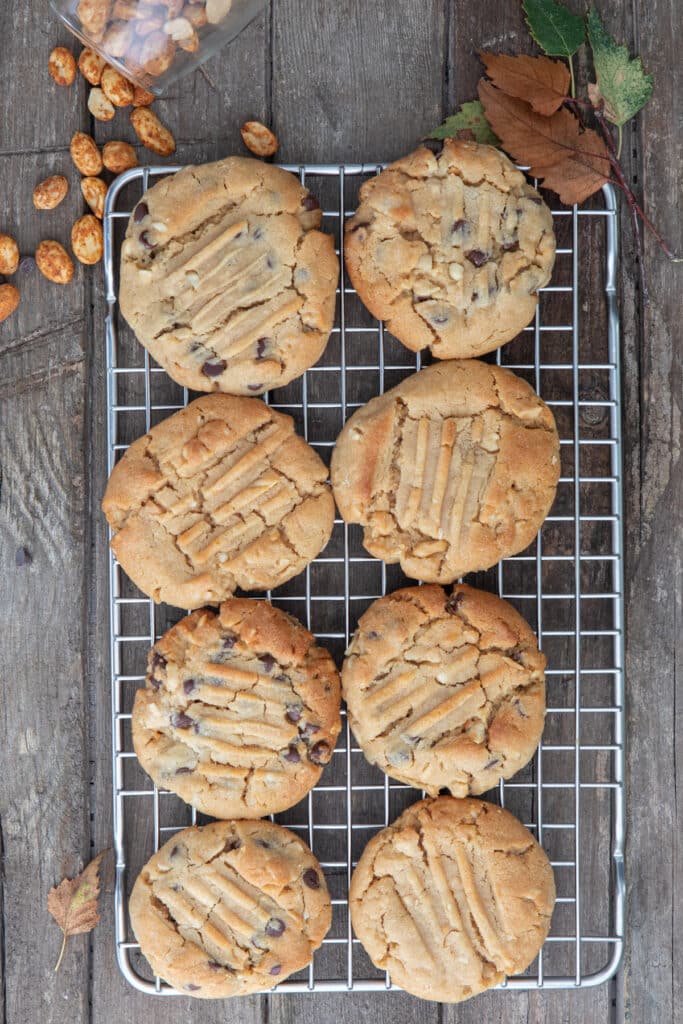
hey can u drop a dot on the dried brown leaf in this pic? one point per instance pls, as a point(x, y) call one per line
point(539, 81)
point(73, 903)
point(574, 163)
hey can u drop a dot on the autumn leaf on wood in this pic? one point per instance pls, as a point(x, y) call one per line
point(540, 81)
point(469, 122)
point(622, 84)
point(574, 163)
point(556, 29)
point(73, 903)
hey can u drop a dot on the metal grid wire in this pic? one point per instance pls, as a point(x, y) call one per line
point(568, 584)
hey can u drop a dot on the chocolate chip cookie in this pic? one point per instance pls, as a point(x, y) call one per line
point(221, 495)
point(226, 278)
point(240, 710)
point(230, 908)
point(445, 691)
point(452, 898)
point(450, 247)
point(450, 471)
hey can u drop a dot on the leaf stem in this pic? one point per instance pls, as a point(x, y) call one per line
point(61, 953)
point(571, 72)
point(620, 139)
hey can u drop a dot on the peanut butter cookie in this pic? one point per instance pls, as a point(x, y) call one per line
point(450, 471)
point(226, 278)
point(221, 495)
point(240, 711)
point(452, 898)
point(450, 247)
point(445, 691)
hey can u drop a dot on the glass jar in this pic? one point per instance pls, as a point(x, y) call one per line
point(155, 42)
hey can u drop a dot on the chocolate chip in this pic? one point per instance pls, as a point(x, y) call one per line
point(195, 346)
point(311, 879)
point(213, 966)
point(307, 730)
point(263, 843)
point(189, 685)
point(275, 970)
point(454, 602)
point(156, 683)
point(310, 203)
point(255, 387)
point(439, 318)
point(192, 988)
point(229, 642)
point(158, 661)
point(459, 225)
point(372, 635)
point(475, 296)
point(27, 264)
point(261, 347)
point(184, 771)
point(275, 927)
point(281, 678)
point(510, 246)
point(182, 721)
point(176, 888)
point(233, 843)
point(141, 211)
point(214, 367)
point(292, 755)
point(146, 240)
point(268, 662)
point(519, 708)
point(320, 753)
point(477, 257)
point(517, 656)
point(271, 263)
point(258, 233)
point(293, 712)
point(434, 146)
point(23, 557)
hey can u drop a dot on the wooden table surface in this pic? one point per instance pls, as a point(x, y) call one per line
point(339, 81)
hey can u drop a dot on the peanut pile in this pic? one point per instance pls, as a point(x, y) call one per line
point(146, 34)
point(114, 23)
point(110, 91)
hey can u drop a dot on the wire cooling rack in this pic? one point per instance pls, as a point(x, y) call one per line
point(568, 584)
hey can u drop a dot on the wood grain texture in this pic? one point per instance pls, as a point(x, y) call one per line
point(338, 81)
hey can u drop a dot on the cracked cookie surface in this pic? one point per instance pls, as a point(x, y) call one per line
point(230, 908)
point(450, 249)
point(450, 471)
point(452, 898)
point(240, 711)
point(226, 279)
point(221, 495)
point(445, 691)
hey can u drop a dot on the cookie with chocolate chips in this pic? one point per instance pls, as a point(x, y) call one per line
point(230, 908)
point(445, 692)
point(226, 277)
point(450, 471)
point(221, 495)
point(240, 710)
point(452, 898)
point(449, 246)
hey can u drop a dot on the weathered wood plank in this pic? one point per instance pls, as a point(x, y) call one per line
point(43, 799)
point(654, 562)
point(204, 114)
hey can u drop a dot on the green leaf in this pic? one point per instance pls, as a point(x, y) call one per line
point(470, 119)
point(556, 30)
point(622, 83)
